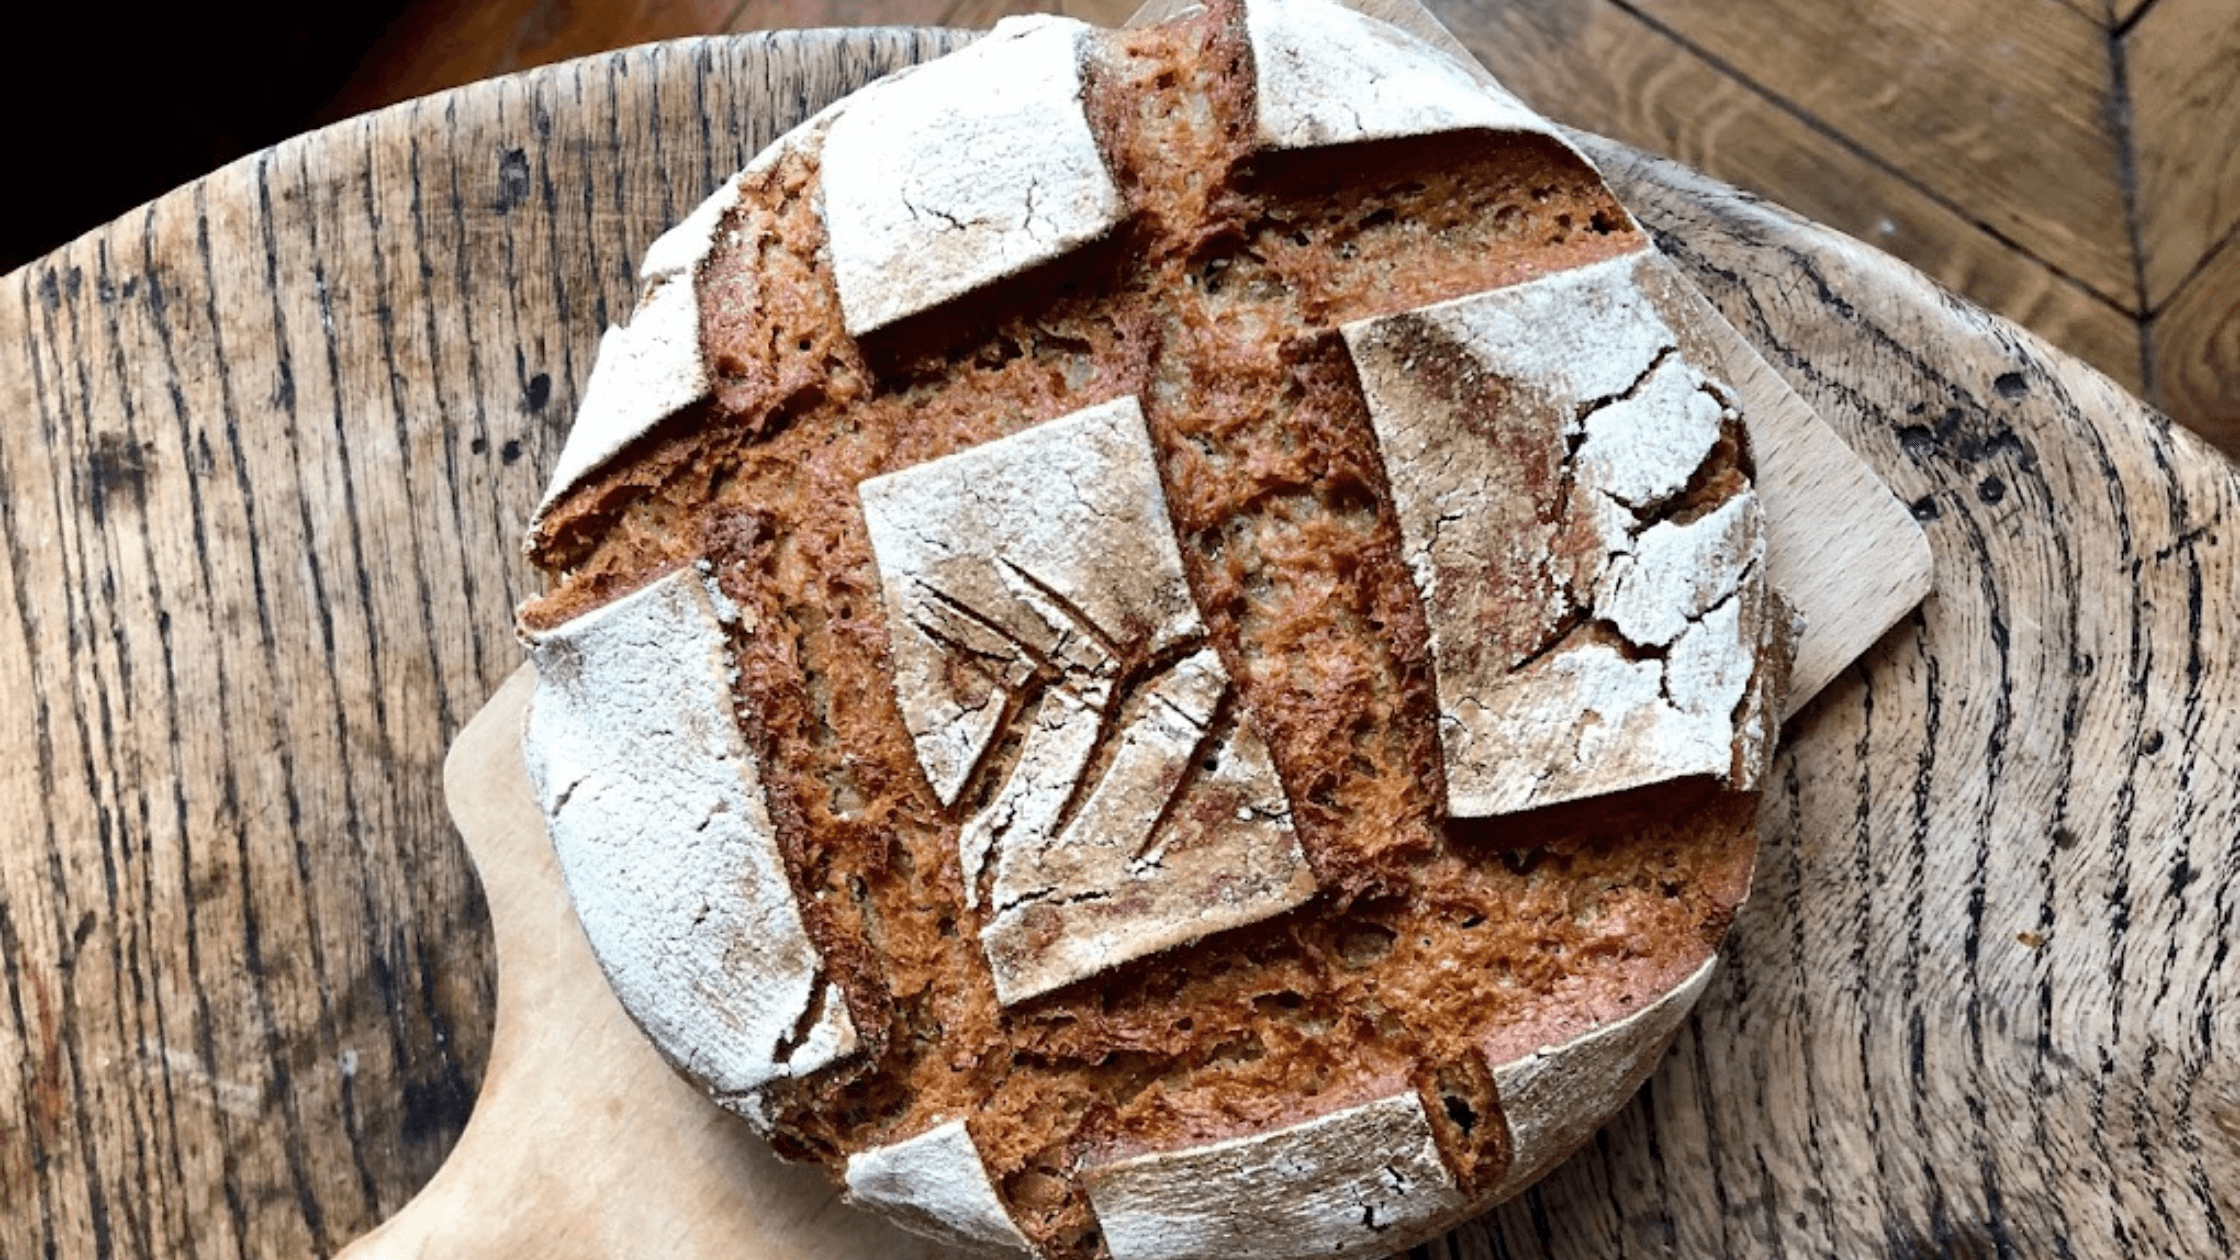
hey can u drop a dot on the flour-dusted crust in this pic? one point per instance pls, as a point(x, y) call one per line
point(912, 227)
point(1076, 534)
point(1327, 75)
point(646, 372)
point(1541, 441)
point(1186, 834)
point(1363, 1181)
point(1036, 549)
point(1555, 1098)
point(677, 878)
point(680, 250)
point(935, 1183)
point(652, 368)
point(1042, 568)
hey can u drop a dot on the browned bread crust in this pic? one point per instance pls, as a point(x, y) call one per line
point(1433, 951)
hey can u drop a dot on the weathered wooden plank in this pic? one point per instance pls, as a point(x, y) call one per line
point(270, 446)
point(2000, 111)
point(2196, 341)
point(439, 44)
point(1594, 64)
point(2182, 62)
point(2122, 11)
point(2040, 972)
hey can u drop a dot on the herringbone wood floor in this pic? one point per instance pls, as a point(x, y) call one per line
point(2073, 164)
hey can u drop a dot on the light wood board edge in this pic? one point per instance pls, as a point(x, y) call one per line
point(1840, 548)
point(584, 1145)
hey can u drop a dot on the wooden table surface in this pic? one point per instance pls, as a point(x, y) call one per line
point(266, 449)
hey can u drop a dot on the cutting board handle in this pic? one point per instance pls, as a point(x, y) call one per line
point(583, 1143)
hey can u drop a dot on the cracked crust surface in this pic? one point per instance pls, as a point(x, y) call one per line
point(1576, 517)
point(1035, 582)
point(1430, 948)
point(1326, 75)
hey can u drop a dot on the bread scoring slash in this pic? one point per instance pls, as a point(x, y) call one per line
point(1157, 642)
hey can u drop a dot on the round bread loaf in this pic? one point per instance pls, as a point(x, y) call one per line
point(1157, 643)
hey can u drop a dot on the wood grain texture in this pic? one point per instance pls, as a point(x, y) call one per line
point(1999, 110)
point(269, 447)
point(1983, 998)
point(2122, 11)
point(1981, 1003)
point(2196, 343)
point(2182, 61)
point(1595, 64)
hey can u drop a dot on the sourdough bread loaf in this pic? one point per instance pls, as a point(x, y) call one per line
point(1157, 642)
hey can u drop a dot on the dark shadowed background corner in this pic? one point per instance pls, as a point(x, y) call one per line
point(110, 105)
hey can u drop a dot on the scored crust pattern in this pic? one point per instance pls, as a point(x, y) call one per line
point(1037, 574)
point(1111, 657)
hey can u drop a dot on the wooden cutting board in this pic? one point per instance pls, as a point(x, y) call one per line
point(575, 1097)
point(578, 1102)
point(269, 443)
